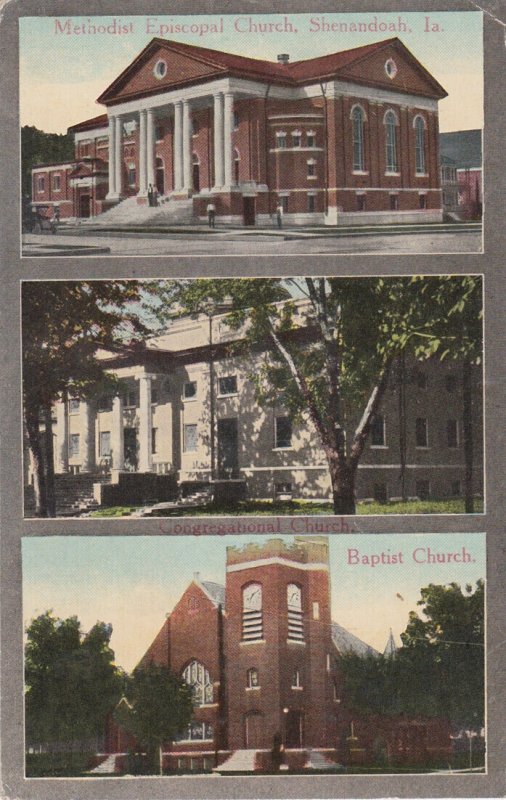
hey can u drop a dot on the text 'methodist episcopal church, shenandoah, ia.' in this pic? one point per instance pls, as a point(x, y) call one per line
point(345, 138)
point(263, 656)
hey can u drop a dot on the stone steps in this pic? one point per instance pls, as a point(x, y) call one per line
point(129, 212)
point(239, 761)
point(106, 767)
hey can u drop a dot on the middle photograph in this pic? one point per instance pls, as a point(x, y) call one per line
point(202, 397)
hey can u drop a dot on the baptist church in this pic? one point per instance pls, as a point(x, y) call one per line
point(344, 138)
point(262, 655)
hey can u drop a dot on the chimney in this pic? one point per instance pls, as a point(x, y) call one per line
point(283, 58)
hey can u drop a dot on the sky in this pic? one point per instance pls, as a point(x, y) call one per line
point(62, 74)
point(132, 582)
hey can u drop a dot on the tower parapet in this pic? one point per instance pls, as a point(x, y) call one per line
point(304, 550)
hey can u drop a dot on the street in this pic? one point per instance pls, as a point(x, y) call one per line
point(251, 242)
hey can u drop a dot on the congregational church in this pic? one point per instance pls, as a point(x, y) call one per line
point(262, 655)
point(345, 138)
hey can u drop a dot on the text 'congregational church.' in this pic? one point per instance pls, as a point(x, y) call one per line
point(345, 138)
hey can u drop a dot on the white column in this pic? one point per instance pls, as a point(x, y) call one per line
point(118, 157)
point(150, 147)
point(145, 423)
point(187, 154)
point(228, 127)
point(178, 146)
point(117, 436)
point(143, 164)
point(218, 141)
point(88, 432)
point(111, 194)
point(62, 436)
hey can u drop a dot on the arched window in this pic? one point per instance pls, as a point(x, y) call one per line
point(390, 141)
point(419, 126)
point(357, 121)
point(197, 676)
point(252, 622)
point(252, 680)
point(294, 607)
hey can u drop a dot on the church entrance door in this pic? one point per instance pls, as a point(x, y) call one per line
point(84, 205)
point(228, 448)
point(160, 177)
point(294, 730)
point(196, 175)
point(253, 728)
point(248, 210)
point(131, 447)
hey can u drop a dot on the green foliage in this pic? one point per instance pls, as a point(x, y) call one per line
point(38, 147)
point(438, 671)
point(160, 707)
point(57, 765)
point(71, 679)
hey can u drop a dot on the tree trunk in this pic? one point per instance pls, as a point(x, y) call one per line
point(39, 477)
point(343, 487)
point(49, 463)
point(467, 426)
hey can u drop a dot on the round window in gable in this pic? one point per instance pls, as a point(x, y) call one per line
point(391, 68)
point(160, 69)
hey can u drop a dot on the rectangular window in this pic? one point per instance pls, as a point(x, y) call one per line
point(281, 141)
point(228, 385)
point(311, 140)
point(105, 443)
point(421, 432)
point(311, 203)
point(73, 444)
point(378, 431)
point(360, 202)
point(131, 176)
point(452, 433)
point(422, 201)
point(41, 183)
point(296, 139)
point(311, 169)
point(283, 432)
point(56, 183)
point(283, 202)
point(159, 133)
point(132, 397)
point(190, 438)
point(190, 390)
point(74, 404)
point(154, 395)
point(104, 403)
point(153, 440)
point(296, 679)
point(394, 202)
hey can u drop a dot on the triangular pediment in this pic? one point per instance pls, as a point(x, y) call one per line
point(161, 66)
point(394, 67)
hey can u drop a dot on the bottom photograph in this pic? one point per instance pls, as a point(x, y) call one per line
point(243, 655)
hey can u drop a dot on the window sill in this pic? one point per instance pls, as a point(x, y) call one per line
point(252, 688)
point(251, 641)
point(379, 447)
point(297, 688)
point(312, 177)
point(282, 449)
point(360, 172)
point(421, 174)
point(189, 399)
point(392, 174)
point(224, 396)
point(296, 641)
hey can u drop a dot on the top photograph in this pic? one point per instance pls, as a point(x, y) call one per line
point(252, 134)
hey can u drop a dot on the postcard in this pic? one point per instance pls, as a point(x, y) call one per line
point(265, 134)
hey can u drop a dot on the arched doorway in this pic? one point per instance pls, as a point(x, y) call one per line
point(196, 173)
point(160, 177)
point(253, 730)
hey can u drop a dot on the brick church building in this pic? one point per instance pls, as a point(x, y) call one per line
point(262, 655)
point(345, 138)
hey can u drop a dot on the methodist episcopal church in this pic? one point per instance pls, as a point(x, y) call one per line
point(263, 657)
point(344, 138)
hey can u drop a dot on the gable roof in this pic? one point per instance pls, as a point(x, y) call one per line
point(218, 64)
point(463, 147)
point(216, 592)
point(102, 121)
point(347, 642)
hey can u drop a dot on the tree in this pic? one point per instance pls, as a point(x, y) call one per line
point(64, 324)
point(438, 671)
point(160, 707)
point(71, 680)
point(332, 361)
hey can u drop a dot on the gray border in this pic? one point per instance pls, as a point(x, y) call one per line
point(14, 785)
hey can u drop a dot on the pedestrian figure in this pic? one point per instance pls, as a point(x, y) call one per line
point(150, 195)
point(155, 196)
point(211, 215)
point(279, 215)
point(277, 752)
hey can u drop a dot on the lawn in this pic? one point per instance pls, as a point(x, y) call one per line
point(302, 507)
